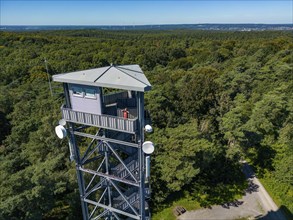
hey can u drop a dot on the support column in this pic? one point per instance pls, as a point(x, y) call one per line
point(107, 172)
point(141, 153)
point(80, 178)
point(66, 93)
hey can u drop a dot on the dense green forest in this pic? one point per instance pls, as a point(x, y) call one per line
point(217, 98)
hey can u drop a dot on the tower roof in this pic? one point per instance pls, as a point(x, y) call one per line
point(127, 77)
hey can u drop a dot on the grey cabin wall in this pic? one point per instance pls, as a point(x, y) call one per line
point(84, 103)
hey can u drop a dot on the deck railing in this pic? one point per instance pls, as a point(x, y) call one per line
point(103, 121)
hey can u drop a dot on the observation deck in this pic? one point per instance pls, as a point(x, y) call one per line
point(113, 118)
point(104, 121)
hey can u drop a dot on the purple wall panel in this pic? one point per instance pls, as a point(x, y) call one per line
point(83, 104)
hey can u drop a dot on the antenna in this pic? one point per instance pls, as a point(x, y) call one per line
point(48, 78)
point(62, 122)
point(148, 147)
point(148, 128)
point(60, 131)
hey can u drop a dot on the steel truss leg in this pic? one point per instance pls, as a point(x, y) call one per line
point(79, 173)
point(112, 184)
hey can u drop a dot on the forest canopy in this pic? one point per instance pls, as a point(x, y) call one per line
point(217, 98)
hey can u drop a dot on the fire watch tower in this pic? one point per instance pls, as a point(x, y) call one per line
point(105, 131)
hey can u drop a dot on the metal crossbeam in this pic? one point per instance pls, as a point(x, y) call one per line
point(125, 199)
point(106, 139)
point(86, 155)
point(109, 176)
point(91, 160)
point(112, 209)
point(101, 215)
point(95, 175)
point(95, 188)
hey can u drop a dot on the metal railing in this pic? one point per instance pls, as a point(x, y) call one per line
point(103, 121)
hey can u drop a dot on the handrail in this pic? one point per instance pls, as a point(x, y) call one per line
point(104, 121)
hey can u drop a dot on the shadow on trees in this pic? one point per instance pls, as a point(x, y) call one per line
point(274, 215)
point(265, 157)
point(167, 202)
point(215, 187)
point(220, 186)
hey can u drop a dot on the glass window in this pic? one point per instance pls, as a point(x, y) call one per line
point(90, 93)
point(77, 91)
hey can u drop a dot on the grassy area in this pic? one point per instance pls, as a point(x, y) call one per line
point(167, 213)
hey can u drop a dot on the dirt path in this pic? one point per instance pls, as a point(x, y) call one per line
point(269, 206)
point(256, 204)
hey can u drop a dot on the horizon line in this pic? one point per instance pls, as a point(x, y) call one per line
point(137, 24)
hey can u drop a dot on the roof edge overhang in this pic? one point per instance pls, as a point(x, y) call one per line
point(145, 89)
point(131, 76)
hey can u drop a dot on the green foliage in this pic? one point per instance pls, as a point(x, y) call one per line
point(197, 91)
point(185, 150)
point(216, 97)
point(36, 175)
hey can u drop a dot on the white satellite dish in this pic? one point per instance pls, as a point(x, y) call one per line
point(148, 128)
point(148, 147)
point(62, 122)
point(60, 131)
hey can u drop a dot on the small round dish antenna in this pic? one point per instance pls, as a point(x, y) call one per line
point(148, 147)
point(148, 128)
point(62, 122)
point(60, 131)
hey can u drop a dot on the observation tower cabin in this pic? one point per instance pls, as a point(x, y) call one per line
point(89, 99)
point(111, 99)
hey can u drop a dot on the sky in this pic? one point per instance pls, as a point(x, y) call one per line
point(120, 12)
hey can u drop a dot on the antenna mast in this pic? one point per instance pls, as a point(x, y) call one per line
point(49, 80)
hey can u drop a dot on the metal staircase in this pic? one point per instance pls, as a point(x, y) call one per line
point(132, 165)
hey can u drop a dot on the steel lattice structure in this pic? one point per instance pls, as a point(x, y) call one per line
point(107, 148)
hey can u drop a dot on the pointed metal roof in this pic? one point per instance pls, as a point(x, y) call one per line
point(127, 77)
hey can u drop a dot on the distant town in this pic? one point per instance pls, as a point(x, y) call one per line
point(220, 27)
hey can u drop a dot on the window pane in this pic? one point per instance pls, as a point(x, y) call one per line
point(90, 93)
point(77, 91)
